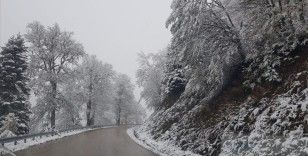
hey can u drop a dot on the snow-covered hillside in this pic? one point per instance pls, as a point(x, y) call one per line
point(235, 81)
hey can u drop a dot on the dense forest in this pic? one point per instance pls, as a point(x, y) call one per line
point(233, 80)
point(48, 82)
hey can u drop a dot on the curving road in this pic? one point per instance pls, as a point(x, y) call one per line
point(102, 142)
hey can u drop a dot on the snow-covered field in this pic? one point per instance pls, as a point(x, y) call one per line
point(162, 148)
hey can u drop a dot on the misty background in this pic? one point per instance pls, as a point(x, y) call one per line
point(114, 31)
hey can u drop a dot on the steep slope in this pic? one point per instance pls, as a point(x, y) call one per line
point(236, 79)
point(271, 119)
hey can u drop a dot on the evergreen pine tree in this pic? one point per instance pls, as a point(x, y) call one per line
point(14, 91)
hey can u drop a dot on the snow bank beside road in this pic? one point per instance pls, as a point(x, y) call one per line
point(4, 150)
point(159, 147)
point(30, 142)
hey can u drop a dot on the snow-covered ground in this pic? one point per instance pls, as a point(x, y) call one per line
point(7, 134)
point(30, 142)
point(162, 148)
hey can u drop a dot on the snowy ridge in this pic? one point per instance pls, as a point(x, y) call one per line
point(162, 148)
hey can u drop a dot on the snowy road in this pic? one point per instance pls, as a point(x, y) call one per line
point(102, 142)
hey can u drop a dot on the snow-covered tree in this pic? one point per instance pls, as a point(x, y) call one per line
point(69, 114)
point(52, 54)
point(14, 90)
point(149, 78)
point(274, 30)
point(202, 29)
point(95, 79)
point(125, 104)
point(211, 39)
point(206, 46)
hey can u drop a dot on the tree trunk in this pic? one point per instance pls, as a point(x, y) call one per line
point(54, 104)
point(89, 107)
point(119, 115)
point(272, 3)
point(229, 18)
point(240, 49)
point(241, 52)
point(126, 119)
point(280, 5)
point(93, 115)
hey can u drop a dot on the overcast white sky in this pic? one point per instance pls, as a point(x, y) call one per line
point(114, 30)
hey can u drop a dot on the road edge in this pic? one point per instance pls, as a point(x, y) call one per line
point(134, 136)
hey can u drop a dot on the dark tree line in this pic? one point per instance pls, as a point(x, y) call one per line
point(14, 91)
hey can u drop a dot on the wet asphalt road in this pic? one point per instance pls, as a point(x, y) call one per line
point(102, 142)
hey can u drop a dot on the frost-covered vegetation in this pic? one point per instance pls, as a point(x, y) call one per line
point(235, 80)
point(69, 88)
